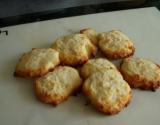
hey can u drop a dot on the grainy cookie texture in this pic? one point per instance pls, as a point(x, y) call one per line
point(114, 44)
point(74, 49)
point(92, 35)
point(94, 65)
point(56, 86)
point(37, 62)
point(108, 92)
point(141, 73)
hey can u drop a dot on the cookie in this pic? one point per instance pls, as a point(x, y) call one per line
point(74, 50)
point(56, 86)
point(107, 90)
point(116, 45)
point(37, 62)
point(92, 35)
point(141, 73)
point(94, 65)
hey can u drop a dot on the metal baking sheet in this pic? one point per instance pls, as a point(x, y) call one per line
point(18, 104)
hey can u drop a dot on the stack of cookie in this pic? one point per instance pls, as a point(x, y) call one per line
point(101, 80)
point(105, 86)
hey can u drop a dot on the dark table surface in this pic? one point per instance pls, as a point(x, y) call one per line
point(19, 7)
point(45, 11)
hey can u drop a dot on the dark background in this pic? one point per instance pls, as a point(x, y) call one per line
point(16, 12)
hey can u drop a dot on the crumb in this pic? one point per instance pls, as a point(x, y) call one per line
point(75, 94)
point(88, 102)
point(58, 22)
point(74, 32)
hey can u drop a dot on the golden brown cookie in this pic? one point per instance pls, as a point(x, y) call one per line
point(116, 45)
point(92, 35)
point(37, 62)
point(141, 73)
point(108, 92)
point(94, 65)
point(74, 50)
point(56, 86)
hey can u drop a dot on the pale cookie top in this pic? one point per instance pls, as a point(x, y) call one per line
point(114, 40)
point(107, 87)
point(94, 65)
point(37, 62)
point(92, 35)
point(61, 81)
point(74, 49)
point(145, 68)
